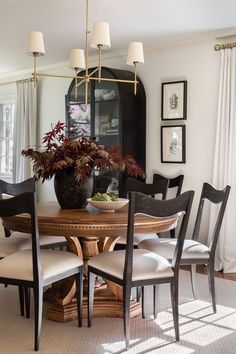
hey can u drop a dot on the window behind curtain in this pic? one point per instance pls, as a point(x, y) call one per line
point(7, 116)
point(7, 112)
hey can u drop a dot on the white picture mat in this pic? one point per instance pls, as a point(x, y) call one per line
point(172, 144)
point(173, 92)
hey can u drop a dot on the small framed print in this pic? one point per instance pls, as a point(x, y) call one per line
point(79, 113)
point(173, 144)
point(174, 100)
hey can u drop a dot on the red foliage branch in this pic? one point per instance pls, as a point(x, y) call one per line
point(83, 156)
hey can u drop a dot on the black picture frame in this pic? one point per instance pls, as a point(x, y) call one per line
point(174, 100)
point(173, 144)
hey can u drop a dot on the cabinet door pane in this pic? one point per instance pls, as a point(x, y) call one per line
point(79, 120)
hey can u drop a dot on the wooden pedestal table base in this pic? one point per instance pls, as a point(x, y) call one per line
point(85, 231)
point(107, 297)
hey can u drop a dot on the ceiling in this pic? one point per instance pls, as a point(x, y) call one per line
point(154, 22)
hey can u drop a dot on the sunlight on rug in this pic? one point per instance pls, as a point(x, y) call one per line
point(201, 331)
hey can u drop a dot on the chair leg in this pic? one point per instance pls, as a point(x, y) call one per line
point(38, 307)
point(27, 301)
point(143, 305)
point(211, 280)
point(21, 298)
point(155, 289)
point(126, 314)
point(193, 279)
point(91, 282)
point(175, 306)
point(79, 295)
point(138, 293)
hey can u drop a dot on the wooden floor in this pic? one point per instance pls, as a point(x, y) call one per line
point(230, 276)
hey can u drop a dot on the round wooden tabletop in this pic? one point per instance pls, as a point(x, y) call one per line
point(87, 222)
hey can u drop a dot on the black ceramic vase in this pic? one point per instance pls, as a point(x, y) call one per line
point(69, 194)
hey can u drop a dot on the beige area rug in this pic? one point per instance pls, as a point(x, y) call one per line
point(201, 331)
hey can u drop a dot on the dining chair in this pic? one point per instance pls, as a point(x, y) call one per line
point(151, 189)
point(19, 241)
point(101, 182)
point(174, 182)
point(195, 252)
point(136, 267)
point(35, 268)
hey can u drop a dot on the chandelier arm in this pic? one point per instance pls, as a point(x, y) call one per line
point(93, 72)
point(86, 92)
point(83, 78)
point(86, 39)
point(35, 70)
point(80, 83)
point(76, 83)
point(114, 80)
point(56, 75)
point(99, 62)
point(135, 78)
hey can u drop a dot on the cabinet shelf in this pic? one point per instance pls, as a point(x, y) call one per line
point(107, 101)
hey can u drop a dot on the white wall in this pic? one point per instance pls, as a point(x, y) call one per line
point(198, 64)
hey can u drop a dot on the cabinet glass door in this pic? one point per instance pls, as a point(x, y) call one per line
point(79, 119)
point(107, 113)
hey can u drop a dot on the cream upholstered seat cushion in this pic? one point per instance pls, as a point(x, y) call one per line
point(19, 265)
point(137, 238)
point(165, 247)
point(19, 241)
point(146, 265)
point(43, 239)
point(12, 245)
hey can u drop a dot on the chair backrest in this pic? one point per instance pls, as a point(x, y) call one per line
point(215, 196)
point(173, 182)
point(101, 182)
point(25, 203)
point(14, 189)
point(140, 203)
point(151, 189)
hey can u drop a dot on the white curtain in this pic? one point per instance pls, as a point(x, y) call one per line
point(224, 169)
point(24, 129)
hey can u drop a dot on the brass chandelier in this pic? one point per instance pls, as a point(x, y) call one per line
point(100, 39)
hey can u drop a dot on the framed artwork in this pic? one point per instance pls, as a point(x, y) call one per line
point(173, 143)
point(79, 113)
point(174, 100)
point(78, 120)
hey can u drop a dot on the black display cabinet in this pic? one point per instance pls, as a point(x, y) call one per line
point(113, 115)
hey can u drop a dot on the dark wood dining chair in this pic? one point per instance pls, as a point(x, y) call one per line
point(195, 252)
point(151, 189)
point(173, 182)
point(101, 182)
point(138, 268)
point(19, 240)
point(35, 268)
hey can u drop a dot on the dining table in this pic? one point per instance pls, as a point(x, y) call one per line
point(88, 232)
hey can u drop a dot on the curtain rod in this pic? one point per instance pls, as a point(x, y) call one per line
point(218, 47)
point(15, 81)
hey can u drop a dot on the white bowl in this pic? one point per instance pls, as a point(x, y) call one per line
point(108, 206)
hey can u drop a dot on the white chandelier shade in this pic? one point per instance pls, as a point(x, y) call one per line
point(135, 53)
point(77, 59)
point(100, 35)
point(36, 43)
